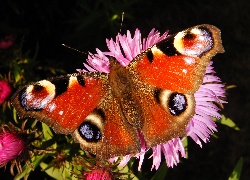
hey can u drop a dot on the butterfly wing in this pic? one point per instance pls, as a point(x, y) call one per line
point(114, 135)
point(170, 73)
point(179, 62)
point(81, 105)
point(61, 102)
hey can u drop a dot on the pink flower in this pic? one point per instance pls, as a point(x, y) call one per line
point(6, 42)
point(94, 169)
point(103, 174)
point(200, 127)
point(5, 91)
point(11, 146)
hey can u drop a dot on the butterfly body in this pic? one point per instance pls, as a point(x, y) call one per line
point(152, 96)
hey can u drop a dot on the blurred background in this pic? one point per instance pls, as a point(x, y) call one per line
point(41, 27)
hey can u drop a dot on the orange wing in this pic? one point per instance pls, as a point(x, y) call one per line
point(115, 135)
point(61, 102)
point(166, 114)
point(82, 105)
point(179, 62)
point(167, 75)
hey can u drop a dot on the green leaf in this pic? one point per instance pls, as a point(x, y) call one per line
point(16, 72)
point(161, 173)
point(126, 173)
point(36, 160)
point(228, 122)
point(235, 175)
point(48, 139)
point(185, 145)
point(15, 115)
point(62, 173)
point(47, 133)
point(114, 17)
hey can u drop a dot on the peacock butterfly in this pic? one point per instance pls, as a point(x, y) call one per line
point(152, 96)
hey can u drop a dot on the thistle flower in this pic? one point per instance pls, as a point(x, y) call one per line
point(6, 42)
point(94, 169)
point(5, 91)
point(11, 146)
point(98, 174)
point(15, 146)
point(200, 127)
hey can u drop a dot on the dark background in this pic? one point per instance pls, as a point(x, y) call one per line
point(44, 25)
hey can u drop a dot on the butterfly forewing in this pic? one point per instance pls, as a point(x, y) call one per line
point(179, 62)
point(61, 102)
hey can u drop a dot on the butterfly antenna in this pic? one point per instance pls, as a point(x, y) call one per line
point(74, 49)
point(123, 13)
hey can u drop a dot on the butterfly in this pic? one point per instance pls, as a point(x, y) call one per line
point(152, 96)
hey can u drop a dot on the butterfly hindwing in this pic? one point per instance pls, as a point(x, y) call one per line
point(114, 135)
point(166, 114)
